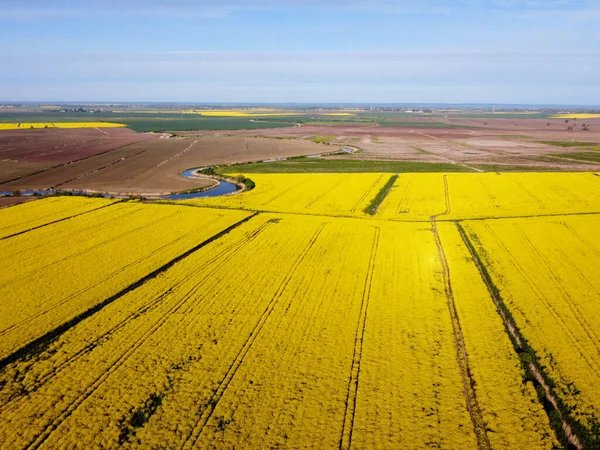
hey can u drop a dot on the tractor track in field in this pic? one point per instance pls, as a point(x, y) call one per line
point(99, 381)
point(405, 195)
point(57, 221)
point(592, 364)
point(86, 250)
point(57, 166)
point(581, 239)
point(34, 346)
point(74, 295)
point(366, 194)
point(354, 379)
point(205, 415)
point(157, 300)
point(324, 194)
point(520, 346)
point(462, 357)
point(583, 323)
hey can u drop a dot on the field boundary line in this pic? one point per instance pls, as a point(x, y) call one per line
point(526, 354)
point(59, 220)
point(42, 341)
point(462, 357)
point(353, 381)
point(211, 405)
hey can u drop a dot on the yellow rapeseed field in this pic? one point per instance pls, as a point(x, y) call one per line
point(487, 195)
point(547, 273)
point(520, 422)
point(61, 270)
point(287, 317)
point(330, 194)
point(576, 116)
point(418, 197)
point(19, 219)
point(344, 336)
point(27, 126)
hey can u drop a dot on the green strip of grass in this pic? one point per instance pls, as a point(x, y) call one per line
point(582, 156)
point(319, 165)
point(381, 195)
point(568, 144)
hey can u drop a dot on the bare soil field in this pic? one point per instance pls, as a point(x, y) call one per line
point(24, 152)
point(121, 161)
point(497, 142)
point(153, 167)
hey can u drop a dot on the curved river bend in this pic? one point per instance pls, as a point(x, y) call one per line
point(223, 188)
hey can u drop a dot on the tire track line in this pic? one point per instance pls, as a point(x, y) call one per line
point(366, 194)
point(585, 326)
point(98, 169)
point(594, 366)
point(405, 195)
point(58, 221)
point(324, 194)
point(462, 357)
point(52, 335)
point(224, 256)
point(353, 381)
point(518, 345)
point(26, 276)
point(99, 381)
point(52, 305)
point(218, 393)
point(583, 240)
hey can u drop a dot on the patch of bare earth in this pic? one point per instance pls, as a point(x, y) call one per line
point(153, 167)
point(498, 142)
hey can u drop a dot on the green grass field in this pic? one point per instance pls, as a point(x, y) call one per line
point(569, 144)
point(320, 165)
point(145, 122)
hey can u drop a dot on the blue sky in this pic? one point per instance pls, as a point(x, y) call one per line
point(490, 51)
